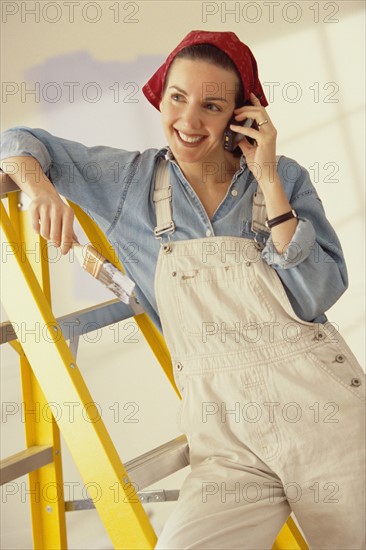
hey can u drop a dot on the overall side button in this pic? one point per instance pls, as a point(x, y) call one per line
point(167, 248)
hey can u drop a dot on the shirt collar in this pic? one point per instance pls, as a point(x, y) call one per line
point(166, 152)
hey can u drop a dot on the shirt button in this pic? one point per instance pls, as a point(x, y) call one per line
point(234, 192)
point(208, 233)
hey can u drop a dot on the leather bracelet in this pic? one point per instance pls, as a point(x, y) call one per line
point(280, 219)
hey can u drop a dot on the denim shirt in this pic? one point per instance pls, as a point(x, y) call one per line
point(115, 187)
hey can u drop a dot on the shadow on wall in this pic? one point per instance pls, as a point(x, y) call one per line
point(77, 95)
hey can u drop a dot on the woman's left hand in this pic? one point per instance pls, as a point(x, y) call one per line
point(261, 158)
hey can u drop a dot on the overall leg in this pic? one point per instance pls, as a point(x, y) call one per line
point(231, 499)
point(223, 505)
point(323, 425)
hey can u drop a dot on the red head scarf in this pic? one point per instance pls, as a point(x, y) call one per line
point(230, 44)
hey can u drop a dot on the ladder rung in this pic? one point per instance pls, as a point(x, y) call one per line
point(80, 322)
point(158, 463)
point(150, 497)
point(147, 469)
point(24, 462)
point(143, 470)
point(146, 497)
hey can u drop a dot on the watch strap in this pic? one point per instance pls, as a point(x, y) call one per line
point(280, 219)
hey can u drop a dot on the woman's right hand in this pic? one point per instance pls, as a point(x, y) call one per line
point(53, 219)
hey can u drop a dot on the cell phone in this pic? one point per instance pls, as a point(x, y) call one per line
point(231, 138)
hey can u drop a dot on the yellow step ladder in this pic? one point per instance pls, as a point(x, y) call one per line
point(25, 294)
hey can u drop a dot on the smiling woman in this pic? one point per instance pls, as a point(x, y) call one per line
point(243, 316)
point(194, 121)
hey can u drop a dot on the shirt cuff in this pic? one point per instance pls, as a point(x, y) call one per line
point(298, 249)
point(21, 143)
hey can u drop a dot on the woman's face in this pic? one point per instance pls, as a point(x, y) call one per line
point(198, 102)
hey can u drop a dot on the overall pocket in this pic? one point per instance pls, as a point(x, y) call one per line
point(340, 366)
point(220, 297)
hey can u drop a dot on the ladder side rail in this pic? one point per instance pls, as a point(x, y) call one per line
point(46, 495)
point(124, 518)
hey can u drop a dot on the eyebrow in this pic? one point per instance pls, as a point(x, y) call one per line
point(206, 98)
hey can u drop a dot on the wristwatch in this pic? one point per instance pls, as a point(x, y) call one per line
point(280, 219)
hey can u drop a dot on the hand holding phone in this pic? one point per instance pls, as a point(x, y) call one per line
point(231, 138)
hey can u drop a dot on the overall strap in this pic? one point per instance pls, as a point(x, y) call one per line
point(259, 212)
point(162, 198)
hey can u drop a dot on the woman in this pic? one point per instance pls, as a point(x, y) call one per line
point(270, 390)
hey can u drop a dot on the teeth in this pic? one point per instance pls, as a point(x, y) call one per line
point(189, 139)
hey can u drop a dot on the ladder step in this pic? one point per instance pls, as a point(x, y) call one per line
point(79, 322)
point(143, 470)
point(158, 496)
point(158, 463)
point(24, 462)
point(148, 469)
point(146, 497)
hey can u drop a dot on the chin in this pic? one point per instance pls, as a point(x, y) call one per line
point(193, 156)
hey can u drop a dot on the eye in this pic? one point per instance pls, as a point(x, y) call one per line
point(176, 97)
point(212, 107)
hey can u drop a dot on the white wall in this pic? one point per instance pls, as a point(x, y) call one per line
point(310, 54)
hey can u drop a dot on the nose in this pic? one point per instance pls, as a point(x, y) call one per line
point(191, 118)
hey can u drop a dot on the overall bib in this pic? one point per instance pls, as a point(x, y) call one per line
point(272, 406)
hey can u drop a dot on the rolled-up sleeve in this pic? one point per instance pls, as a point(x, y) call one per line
point(298, 249)
point(312, 268)
point(96, 178)
point(19, 141)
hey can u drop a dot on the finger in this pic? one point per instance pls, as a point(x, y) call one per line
point(244, 142)
point(247, 108)
point(44, 226)
point(254, 99)
point(67, 235)
point(55, 229)
point(257, 114)
point(36, 222)
point(248, 132)
point(245, 146)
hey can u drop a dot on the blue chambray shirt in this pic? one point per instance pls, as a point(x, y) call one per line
point(115, 187)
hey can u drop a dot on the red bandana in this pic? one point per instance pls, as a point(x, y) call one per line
point(229, 43)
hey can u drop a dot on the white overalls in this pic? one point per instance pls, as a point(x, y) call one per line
point(273, 406)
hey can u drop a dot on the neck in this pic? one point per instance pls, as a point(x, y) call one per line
point(212, 173)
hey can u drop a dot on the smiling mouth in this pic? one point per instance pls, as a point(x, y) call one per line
point(189, 140)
